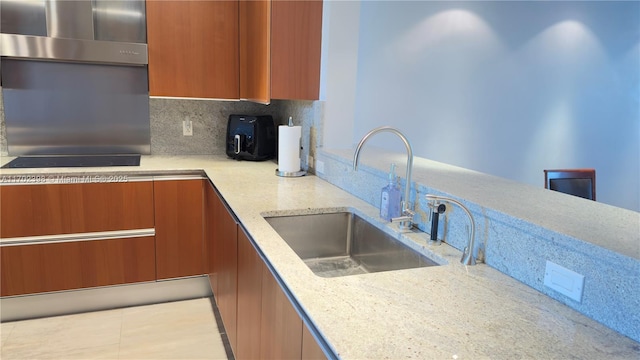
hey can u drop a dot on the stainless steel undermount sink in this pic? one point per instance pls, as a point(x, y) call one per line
point(341, 244)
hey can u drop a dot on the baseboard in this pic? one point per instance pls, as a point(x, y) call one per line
point(103, 298)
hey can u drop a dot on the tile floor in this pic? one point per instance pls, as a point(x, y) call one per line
point(175, 330)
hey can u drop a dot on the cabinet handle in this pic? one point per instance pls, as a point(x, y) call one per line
point(88, 236)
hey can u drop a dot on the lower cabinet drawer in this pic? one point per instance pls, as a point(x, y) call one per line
point(36, 268)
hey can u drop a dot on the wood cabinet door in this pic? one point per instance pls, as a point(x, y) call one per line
point(210, 211)
point(249, 299)
point(226, 268)
point(310, 348)
point(30, 269)
point(52, 209)
point(281, 326)
point(193, 48)
point(296, 35)
point(179, 208)
point(255, 38)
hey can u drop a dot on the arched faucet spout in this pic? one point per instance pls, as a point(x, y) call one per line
point(406, 221)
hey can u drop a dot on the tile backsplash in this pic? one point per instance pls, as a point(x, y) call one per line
point(209, 119)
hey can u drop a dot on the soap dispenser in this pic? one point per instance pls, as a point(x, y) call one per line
point(390, 198)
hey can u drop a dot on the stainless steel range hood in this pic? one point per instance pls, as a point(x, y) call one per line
point(74, 77)
point(103, 31)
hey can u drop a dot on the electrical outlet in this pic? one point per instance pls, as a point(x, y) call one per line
point(319, 166)
point(187, 127)
point(564, 281)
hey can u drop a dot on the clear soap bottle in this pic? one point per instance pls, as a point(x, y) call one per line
point(390, 197)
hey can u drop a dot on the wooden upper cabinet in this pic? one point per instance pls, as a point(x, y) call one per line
point(296, 34)
point(255, 38)
point(280, 43)
point(193, 48)
point(52, 209)
point(179, 208)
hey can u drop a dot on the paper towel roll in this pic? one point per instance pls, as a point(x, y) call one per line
point(289, 148)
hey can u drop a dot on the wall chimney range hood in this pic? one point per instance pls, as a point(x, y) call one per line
point(104, 31)
point(74, 77)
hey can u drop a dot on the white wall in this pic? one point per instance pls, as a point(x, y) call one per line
point(339, 69)
point(505, 88)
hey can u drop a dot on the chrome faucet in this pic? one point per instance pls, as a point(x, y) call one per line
point(467, 253)
point(406, 220)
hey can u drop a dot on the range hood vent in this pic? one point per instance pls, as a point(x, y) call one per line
point(102, 31)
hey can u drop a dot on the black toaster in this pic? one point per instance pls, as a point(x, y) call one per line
point(251, 137)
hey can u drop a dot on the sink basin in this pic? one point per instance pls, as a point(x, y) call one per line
point(341, 244)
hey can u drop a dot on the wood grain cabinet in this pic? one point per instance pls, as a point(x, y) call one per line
point(255, 39)
point(71, 229)
point(250, 272)
point(222, 241)
point(211, 205)
point(244, 49)
point(179, 223)
point(268, 326)
point(52, 209)
point(310, 348)
point(280, 46)
point(193, 48)
point(259, 319)
point(296, 34)
point(37, 268)
point(281, 326)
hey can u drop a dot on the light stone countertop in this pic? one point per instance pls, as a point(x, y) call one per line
point(444, 312)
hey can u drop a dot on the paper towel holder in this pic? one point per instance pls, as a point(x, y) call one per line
point(291, 173)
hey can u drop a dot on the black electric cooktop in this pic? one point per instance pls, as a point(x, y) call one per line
point(73, 161)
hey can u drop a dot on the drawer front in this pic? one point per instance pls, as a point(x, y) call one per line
point(29, 269)
point(33, 210)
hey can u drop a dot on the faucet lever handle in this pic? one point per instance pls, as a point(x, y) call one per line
point(402, 218)
point(406, 221)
